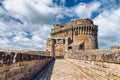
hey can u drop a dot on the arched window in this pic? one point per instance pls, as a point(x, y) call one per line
point(81, 46)
point(76, 32)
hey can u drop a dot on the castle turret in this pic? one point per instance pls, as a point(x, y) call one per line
point(75, 35)
point(85, 31)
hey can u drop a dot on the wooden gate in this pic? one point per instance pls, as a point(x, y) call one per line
point(59, 51)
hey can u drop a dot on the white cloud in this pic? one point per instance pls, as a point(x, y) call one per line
point(109, 25)
point(18, 35)
point(85, 10)
point(36, 38)
point(36, 18)
point(4, 41)
point(32, 11)
point(82, 10)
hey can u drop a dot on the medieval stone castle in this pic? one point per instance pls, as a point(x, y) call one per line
point(77, 42)
point(73, 36)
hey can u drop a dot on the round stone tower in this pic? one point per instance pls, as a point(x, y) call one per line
point(73, 36)
point(85, 31)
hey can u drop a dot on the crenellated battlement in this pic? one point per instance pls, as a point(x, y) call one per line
point(87, 29)
point(76, 35)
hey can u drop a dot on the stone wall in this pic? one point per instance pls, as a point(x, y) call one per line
point(111, 56)
point(82, 33)
point(17, 65)
point(94, 70)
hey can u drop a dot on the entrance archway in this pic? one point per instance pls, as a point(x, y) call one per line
point(59, 51)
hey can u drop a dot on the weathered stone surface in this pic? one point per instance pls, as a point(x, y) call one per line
point(61, 70)
point(112, 55)
point(21, 66)
point(98, 70)
point(75, 35)
point(72, 69)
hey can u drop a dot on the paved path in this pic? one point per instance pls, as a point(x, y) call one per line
point(61, 70)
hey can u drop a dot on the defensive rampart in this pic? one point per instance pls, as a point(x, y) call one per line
point(112, 55)
point(21, 64)
point(97, 64)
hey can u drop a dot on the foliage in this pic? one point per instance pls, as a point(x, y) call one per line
point(115, 47)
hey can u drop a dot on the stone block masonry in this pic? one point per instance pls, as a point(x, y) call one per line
point(97, 64)
point(21, 65)
point(75, 35)
point(110, 56)
point(97, 70)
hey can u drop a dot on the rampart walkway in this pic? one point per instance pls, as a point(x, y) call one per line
point(63, 69)
point(83, 65)
point(60, 70)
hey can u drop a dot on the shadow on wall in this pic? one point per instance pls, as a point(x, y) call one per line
point(45, 73)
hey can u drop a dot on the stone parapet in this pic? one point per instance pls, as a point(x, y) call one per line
point(94, 70)
point(111, 56)
point(16, 65)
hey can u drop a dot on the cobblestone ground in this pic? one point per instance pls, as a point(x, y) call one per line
point(61, 70)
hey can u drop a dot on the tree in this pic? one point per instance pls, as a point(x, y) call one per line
point(115, 47)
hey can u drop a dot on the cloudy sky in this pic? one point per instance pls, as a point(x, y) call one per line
point(26, 24)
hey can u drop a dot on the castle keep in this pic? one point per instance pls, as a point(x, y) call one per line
point(73, 36)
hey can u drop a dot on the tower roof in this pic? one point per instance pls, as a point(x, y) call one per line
point(79, 22)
